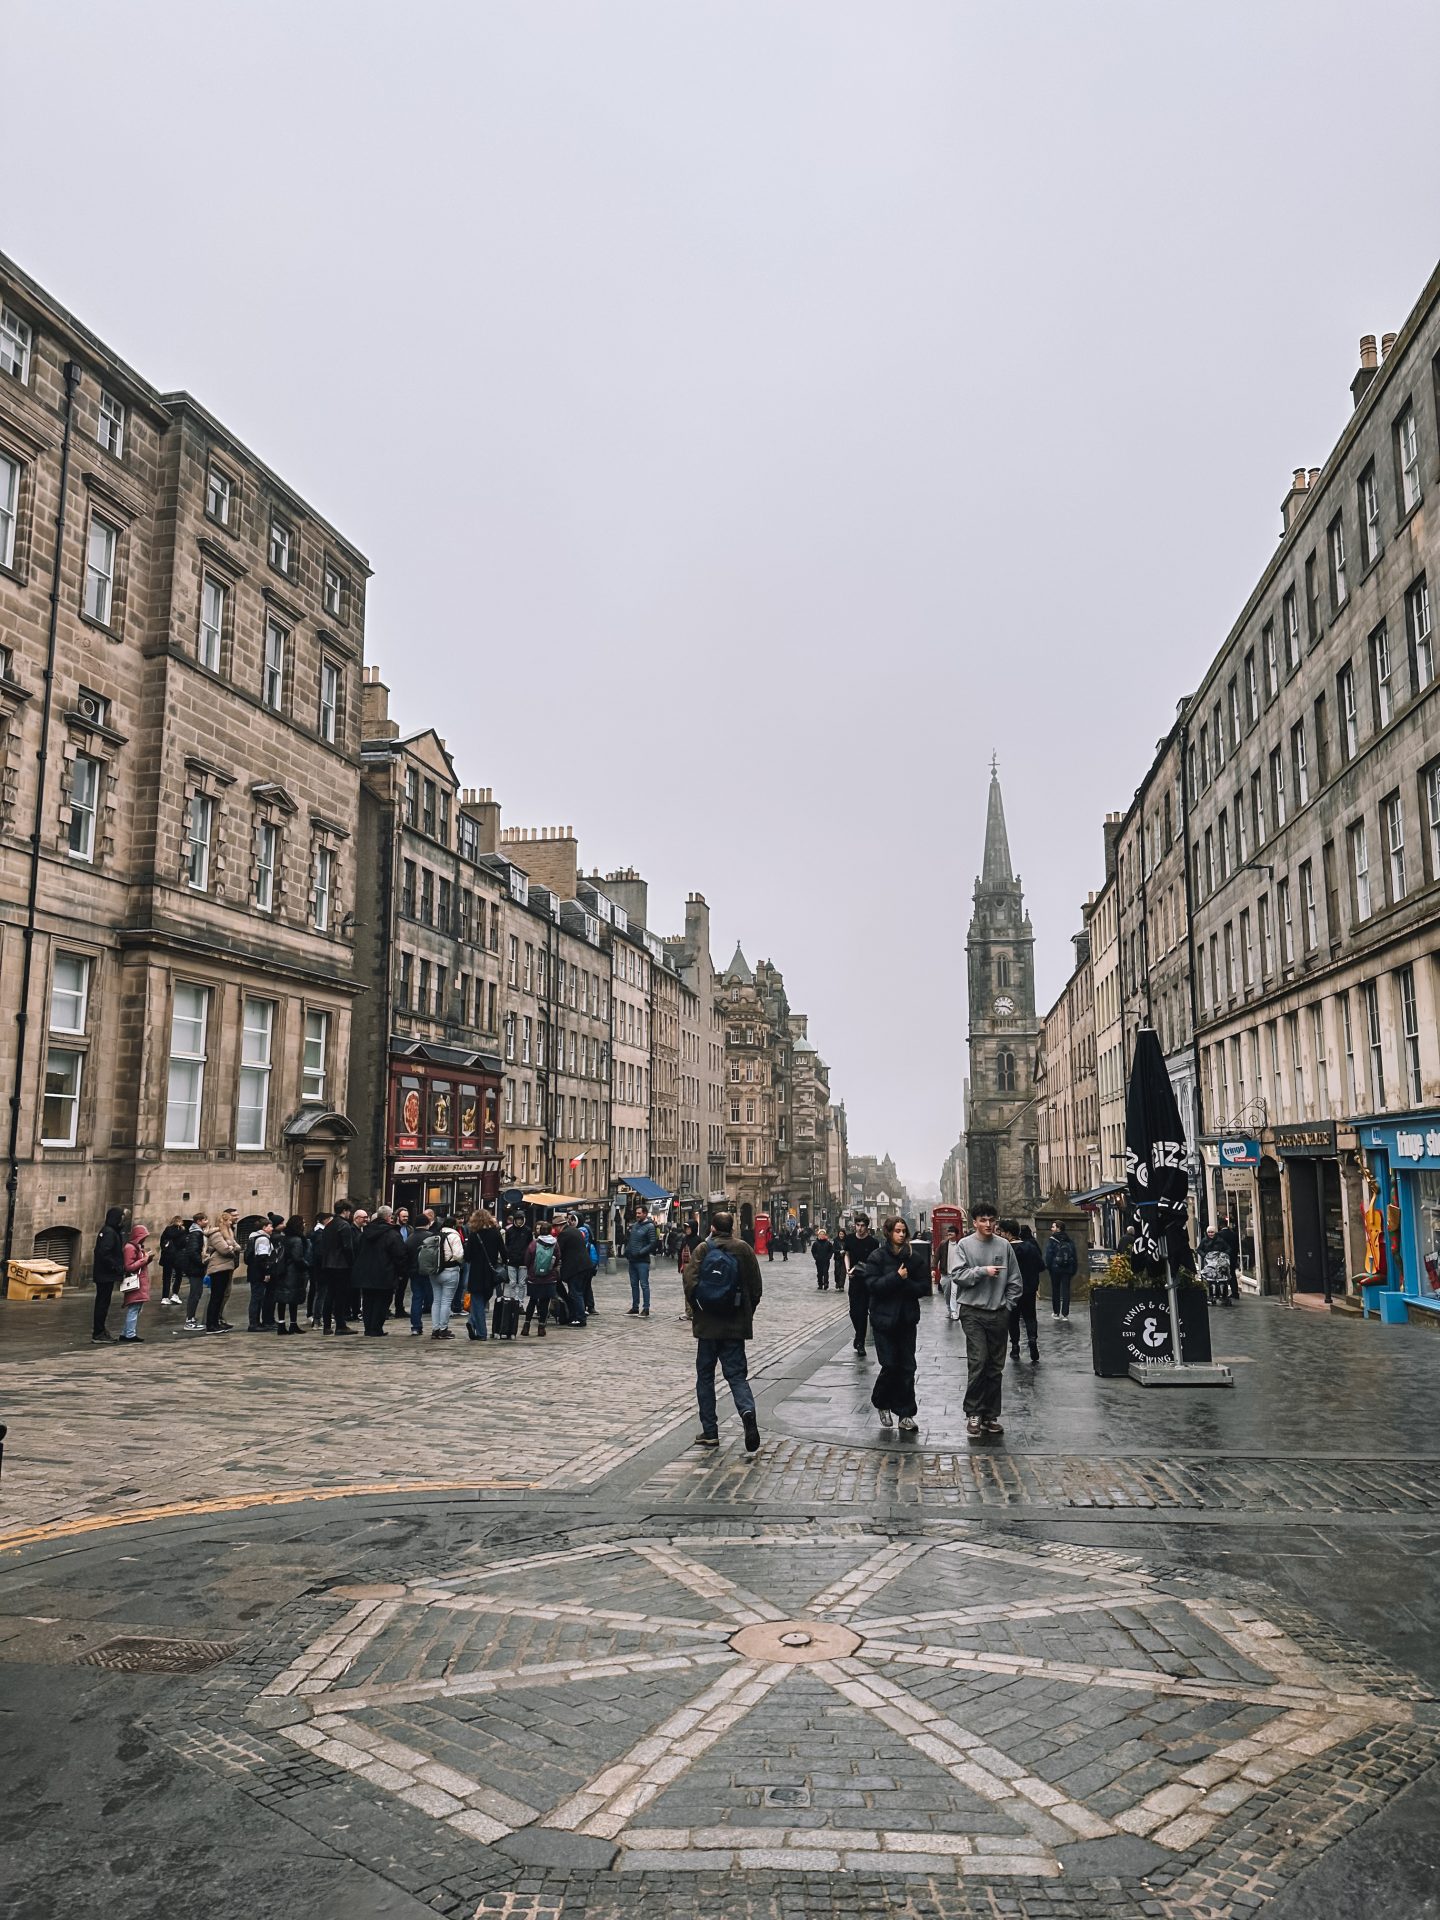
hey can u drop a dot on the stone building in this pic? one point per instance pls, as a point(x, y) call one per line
point(553, 942)
point(770, 985)
point(751, 1153)
point(837, 1162)
point(1312, 758)
point(690, 953)
point(1102, 923)
point(630, 1052)
point(876, 1187)
point(1001, 1128)
point(177, 811)
point(952, 1176)
point(809, 1114)
point(425, 1039)
point(1067, 1085)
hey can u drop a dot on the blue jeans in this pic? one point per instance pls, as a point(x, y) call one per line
point(731, 1356)
point(422, 1295)
point(478, 1304)
point(132, 1322)
point(445, 1285)
point(639, 1283)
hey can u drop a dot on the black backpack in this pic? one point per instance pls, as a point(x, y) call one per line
point(717, 1285)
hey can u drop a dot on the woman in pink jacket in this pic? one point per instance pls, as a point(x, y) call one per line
point(137, 1268)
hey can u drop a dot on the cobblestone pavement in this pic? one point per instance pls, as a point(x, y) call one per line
point(634, 1682)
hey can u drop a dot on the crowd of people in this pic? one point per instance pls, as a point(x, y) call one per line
point(352, 1266)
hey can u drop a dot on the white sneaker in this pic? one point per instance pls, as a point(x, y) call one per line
point(192, 1326)
point(887, 1418)
point(909, 1426)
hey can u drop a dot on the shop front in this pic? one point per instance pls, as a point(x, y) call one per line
point(1315, 1204)
point(1232, 1168)
point(442, 1146)
point(1403, 1246)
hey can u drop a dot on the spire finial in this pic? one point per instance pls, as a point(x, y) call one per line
point(994, 766)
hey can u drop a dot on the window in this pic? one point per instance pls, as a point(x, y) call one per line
point(1410, 1034)
point(1247, 949)
point(100, 570)
point(407, 977)
point(1290, 619)
point(329, 700)
point(212, 622)
point(1297, 1064)
point(1217, 734)
point(1209, 861)
point(267, 848)
point(9, 508)
point(1347, 1034)
point(1420, 633)
point(1277, 786)
point(1322, 1062)
point(512, 965)
point(252, 1105)
point(1339, 590)
point(1332, 894)
point(189, 1018)
point(1299, 763)
point(1349, 714)
point(69, 993)
point(1360, 869)
point(324, 886)
point(1309, 919)
point(427, 807)
point(412, 795)
point(315, 1058)
point(14, 345)
point(1380, 676)
point(469, 834)
point(1392, 818)
point(110, 428)
point(444, 909)
point(84, 805)
point(1257, 808)
point(1287, 923)
point(1252, 690)
point(1272, 664)
point(422, 1003)
point(282, 541)
point(332, 592)
point(1312, 599)
point(1432, 814)
point(1407, 459)
point(272, 679)
point(407, 889)
point(444, 817)
point(199, 827)
point(1230, 959)
point(1322, 740)
point(219, 496)
point(1370, 995)
point(1369, 516)
point(1005, 1071)
point(1204, 755)
point(60, 1106)
point(1232, 694)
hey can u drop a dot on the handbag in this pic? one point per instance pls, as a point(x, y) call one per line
point(130, 1284)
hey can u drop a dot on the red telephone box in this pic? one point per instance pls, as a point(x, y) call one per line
point(762, 1233)
point(942, 1219)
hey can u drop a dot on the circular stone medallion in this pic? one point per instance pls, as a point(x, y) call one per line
point(796, 1640)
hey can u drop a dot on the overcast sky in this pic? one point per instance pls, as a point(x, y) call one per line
point(757, 411)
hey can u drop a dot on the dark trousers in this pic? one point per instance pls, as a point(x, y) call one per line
point(374, 1309)
point(822, 1275)
point(570, 1298)
point(859, 1307)
point(197, 1294)
point(332, 1298)
point(400, 1286)
point(895, 1383)
point(219, 1293)
point(104, 1289)
point(1060, 1295)
point(1024, 1311)
point(986, 1333)
point(262, 1302)
point(730, 1355)
point(422, 1297)
point(539, 1302)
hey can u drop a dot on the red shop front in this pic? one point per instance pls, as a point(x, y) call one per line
point(442, 1146)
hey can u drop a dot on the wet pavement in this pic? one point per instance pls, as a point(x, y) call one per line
point(1154, 1654)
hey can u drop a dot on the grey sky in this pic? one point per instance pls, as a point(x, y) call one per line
point(798, 399)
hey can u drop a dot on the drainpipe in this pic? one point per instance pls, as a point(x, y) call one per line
point(42, 761)
point(1202, 1196)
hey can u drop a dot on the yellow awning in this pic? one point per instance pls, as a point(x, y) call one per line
point(554, 1200)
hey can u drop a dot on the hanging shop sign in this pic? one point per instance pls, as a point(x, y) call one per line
point(1239, 1152)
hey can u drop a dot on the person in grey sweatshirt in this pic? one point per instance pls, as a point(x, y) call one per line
point(987, 1282)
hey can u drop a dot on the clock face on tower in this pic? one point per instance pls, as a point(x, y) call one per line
point(1004, 1005)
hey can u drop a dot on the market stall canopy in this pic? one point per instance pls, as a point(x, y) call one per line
point(556, 1200)
point(646, 1188)
point(1103, 1192)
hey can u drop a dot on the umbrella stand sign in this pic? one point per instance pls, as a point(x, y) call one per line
point(1157, 1182)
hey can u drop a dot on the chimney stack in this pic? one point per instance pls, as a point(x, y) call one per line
point(375, 721)
point(1290, 506)
point(1387, 341)
point(1369, 364)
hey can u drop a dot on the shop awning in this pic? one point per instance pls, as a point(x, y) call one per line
point(1103, 1192)
point(556, 1200)
point(646, 1188)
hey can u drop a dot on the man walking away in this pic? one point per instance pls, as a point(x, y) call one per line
point(222, 1256)
point(988, 1284)
point(822, 1252)
point(858, 1245)
point(639, 1248)
point(109, 1269)
point(378, 1260)
point(574, 1251)
point(1032, 1264)
point(338, 1257)
point(722, 1290)
point(426, 1256)
point(1061, 1260)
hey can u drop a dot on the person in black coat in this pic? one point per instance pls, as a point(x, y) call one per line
point(337, 1264)
point(484, 1267)
point(109, 1268)
point(1031, 1262)
point(896, 1280)
point(574, 1252)
point(822, 1252)
point(856, 1248)
point(290, 1272)
point(378, 1261)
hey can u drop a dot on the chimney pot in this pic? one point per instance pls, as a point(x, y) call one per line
point(1387, 341)
point(1367, 350)
point(1312, 476)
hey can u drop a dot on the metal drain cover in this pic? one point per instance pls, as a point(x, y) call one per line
point(147, 1653)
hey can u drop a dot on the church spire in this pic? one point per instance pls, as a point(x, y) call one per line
point(997, 870)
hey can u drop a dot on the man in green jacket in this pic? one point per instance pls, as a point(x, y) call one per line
point(722, 1290)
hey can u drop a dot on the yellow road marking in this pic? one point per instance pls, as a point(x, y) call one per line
point(239, 1502)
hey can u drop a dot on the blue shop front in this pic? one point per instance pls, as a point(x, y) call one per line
point(1403, 1155)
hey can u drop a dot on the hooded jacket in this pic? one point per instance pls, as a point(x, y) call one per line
point(110, 1247)
point(379, 1257)
point(642, 1240)
point(222, 1250)
point(552, 1274)
point(1060, 1256)
point(137, 1261)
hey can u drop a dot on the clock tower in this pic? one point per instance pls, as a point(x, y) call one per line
point(1001, 1122)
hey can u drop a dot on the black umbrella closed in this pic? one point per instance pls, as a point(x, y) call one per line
point(1156, 1184)
point(1157, 1179)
